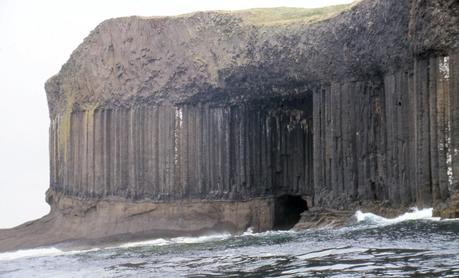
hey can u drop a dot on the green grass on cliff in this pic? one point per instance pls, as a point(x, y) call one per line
point(285, 15)
point(280, 15)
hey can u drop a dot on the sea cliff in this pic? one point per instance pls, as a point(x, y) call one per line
point(216, 121)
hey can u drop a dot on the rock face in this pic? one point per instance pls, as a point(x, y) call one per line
point(211, 121)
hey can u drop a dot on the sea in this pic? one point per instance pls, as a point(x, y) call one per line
point(414, 244)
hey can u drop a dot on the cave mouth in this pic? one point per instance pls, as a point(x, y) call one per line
point(287, 211)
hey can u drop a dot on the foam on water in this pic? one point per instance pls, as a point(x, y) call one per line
point(250, 232)
point(200, 239)
point(414, 214)
point(52, 251)
point(176, 240)
point(40, 252)
point(364, 218)
point(30, 253)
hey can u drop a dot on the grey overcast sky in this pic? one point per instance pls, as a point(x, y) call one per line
point(36, 38)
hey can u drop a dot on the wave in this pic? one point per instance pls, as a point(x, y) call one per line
point(30, 253)
point(177, 240)
point(413, 214)
point(332, 252)
point(250, 232)
point(52, 251)
point(201, 239)
point(361, 217)
point(40, 252)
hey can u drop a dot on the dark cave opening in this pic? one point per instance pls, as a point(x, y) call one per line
point(287, 211)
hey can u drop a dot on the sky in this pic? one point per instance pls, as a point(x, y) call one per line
point(36, 39)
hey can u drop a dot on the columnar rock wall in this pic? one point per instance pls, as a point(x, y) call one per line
point(451, 208)
point(349, 143)
point(360, 107)
point(389, 140)
point(193, 151)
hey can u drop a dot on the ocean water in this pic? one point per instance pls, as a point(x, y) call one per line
point(412, 245)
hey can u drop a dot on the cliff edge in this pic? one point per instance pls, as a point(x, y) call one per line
point(221, 121)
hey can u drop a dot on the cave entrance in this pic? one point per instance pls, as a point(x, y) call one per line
point(287, 211)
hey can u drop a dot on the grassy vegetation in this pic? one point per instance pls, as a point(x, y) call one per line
point(281, 15)
point(284, 15)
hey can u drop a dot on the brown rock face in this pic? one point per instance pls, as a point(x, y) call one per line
point(210, 121)
point(450, 209)
point(98, 222)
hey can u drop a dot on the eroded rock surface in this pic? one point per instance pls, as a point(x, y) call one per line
point(183, 125)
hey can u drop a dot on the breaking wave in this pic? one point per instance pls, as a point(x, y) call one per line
point(177, 240)
point(30, 253)
point(414, 214)
point(361, 217)
point(40, 252)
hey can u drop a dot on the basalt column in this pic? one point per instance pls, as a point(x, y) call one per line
point(388, 140)
point(450, 74)
point(349, 144)
point(190, 151)
point(434, 93)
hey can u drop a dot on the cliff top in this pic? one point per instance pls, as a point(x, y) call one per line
point(238, 55)
point(287, 15)
point(274, 16)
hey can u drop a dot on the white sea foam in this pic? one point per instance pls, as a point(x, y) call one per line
point(39, 252)
point(368, 218)
point(200, 239)
point(177, 240)
point(30, 253)
point(250, 232)
point(414, 214)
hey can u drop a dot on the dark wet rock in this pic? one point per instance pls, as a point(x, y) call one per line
point(324, 218)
